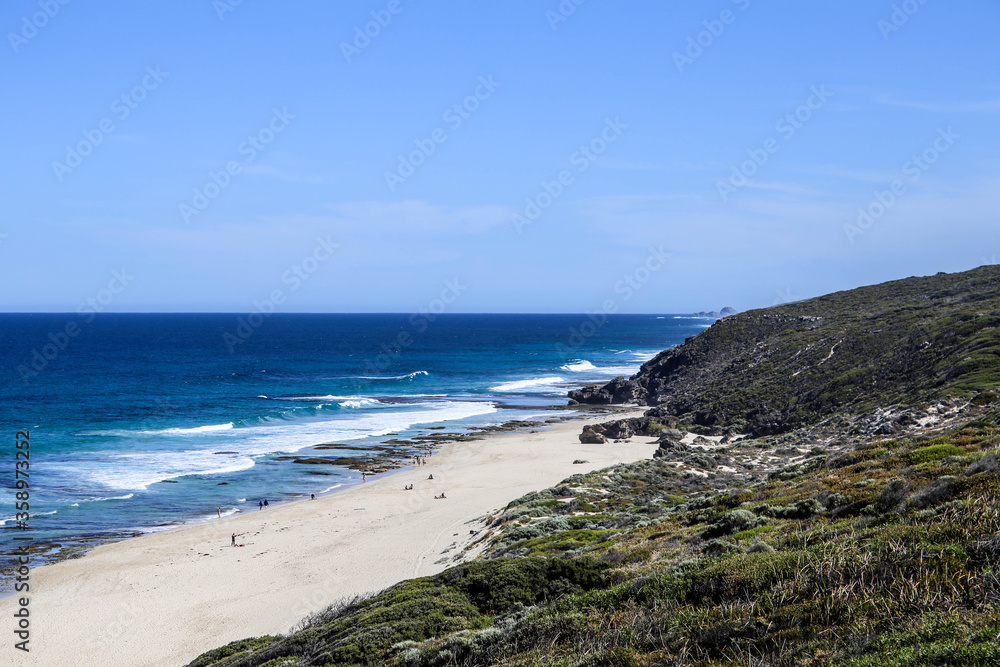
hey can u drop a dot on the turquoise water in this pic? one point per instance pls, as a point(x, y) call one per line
point(142, 421)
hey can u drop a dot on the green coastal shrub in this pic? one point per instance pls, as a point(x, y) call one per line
point(734, 522)
point(932, 453)
point(894, 493)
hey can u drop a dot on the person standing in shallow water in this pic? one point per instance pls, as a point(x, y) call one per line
point(260, 504)
point(265, 502)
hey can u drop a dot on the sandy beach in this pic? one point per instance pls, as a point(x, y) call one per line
point(164, 598)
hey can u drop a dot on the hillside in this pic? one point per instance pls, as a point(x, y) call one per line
point(826, 543)
point(772, 370)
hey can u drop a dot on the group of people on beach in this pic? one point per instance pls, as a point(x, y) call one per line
point(261, 504)
point(409, 487)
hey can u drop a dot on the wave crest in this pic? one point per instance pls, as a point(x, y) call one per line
point(525, 384)
point(408, 376)
point(578, 366)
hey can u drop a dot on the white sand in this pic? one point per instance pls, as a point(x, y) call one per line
point(165, 598)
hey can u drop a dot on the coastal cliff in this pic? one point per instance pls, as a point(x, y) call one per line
point(772, 370)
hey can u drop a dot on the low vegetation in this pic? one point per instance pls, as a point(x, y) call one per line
point(862, 537)
point(882, 553)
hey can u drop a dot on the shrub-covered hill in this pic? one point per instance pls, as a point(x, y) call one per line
point(871, 553)
point(769, 371)
point(818, 540)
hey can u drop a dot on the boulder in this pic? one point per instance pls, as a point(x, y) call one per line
point(670, 448)
point(618, 430)
point(592, 436)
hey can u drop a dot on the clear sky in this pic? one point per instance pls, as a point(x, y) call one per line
point(510, 155)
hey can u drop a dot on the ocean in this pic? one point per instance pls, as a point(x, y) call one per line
point(140, 422)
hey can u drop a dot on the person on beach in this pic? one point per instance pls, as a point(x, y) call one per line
point(220, 512)
point(430, 476)
point(260, 504)
point(312, 496)
point(364, 477)
point(265, 502)
point(234, 539)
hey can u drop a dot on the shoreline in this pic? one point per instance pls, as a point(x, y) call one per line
point(191, 591)
point(74, 548)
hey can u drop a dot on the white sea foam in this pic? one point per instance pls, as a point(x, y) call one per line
point(408, 376)
point(578, 366)
point(342, 401)
point(190, 431)
point(518, 385)
point(328, 397)
point(138, 470)
point(360, 403)
point(127, 433)
point(98, 499)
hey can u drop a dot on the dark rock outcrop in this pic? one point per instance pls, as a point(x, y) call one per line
point(618, 390)
point(670, 448)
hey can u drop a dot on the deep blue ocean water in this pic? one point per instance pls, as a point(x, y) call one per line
point(136, 420)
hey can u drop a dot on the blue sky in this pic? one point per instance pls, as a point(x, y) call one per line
point(651, 112)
